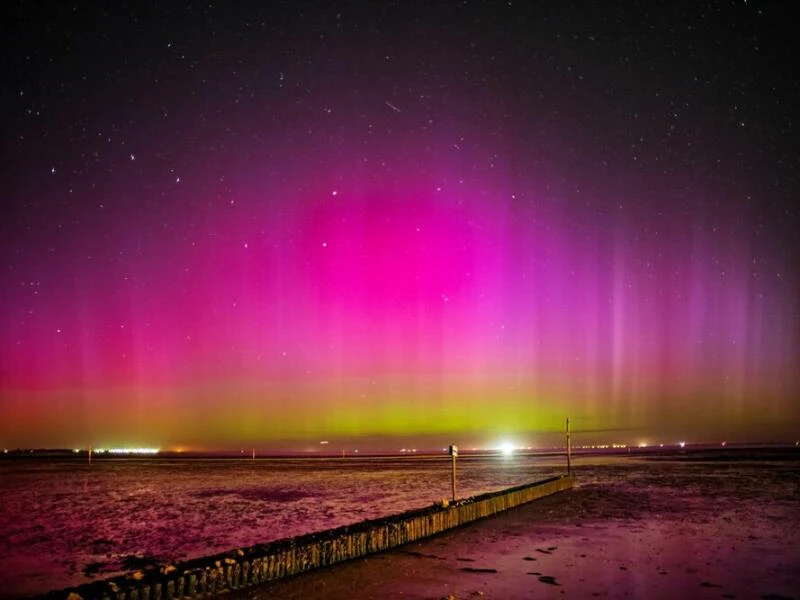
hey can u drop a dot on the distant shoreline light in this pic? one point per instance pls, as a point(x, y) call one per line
point(506, 448)
point(126, 450)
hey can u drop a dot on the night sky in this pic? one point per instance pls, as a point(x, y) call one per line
point(268, 224)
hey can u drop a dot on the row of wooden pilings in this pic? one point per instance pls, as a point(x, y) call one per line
point(201, 578)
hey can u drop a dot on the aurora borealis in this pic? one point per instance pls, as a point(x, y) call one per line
point(272, 225)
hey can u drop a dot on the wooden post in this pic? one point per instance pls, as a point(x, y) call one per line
point(454, 454)
point(569, 451)
point(454, 477)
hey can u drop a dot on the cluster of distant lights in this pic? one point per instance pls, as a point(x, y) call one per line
point(680, 444)
point(117, 451)
point(504, 448)
point(121, 451)
point(508, 448)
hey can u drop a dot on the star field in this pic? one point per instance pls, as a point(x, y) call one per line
point(269, 225)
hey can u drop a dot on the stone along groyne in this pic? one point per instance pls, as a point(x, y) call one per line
point(245, 567)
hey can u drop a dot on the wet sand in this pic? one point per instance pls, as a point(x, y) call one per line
point(678, 531)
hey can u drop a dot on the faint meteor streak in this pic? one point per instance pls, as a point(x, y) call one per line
point(392, 106)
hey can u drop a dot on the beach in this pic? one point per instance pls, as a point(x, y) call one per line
point(663, 524)
point(65, 523)
point(709, 529)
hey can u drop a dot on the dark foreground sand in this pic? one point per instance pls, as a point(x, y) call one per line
point(704, 531)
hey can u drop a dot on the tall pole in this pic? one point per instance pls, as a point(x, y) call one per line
point(569, 452)
point(454, 477)
point(453, 453)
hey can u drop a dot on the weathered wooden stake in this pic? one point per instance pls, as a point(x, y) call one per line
point(454, 478)
point(569, 451)
point(454, 454)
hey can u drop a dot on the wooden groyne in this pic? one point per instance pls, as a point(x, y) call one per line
point(204, 577)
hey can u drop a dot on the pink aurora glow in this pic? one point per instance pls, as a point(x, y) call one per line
point(361, 244)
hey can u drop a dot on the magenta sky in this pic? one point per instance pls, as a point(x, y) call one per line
point(359, 226)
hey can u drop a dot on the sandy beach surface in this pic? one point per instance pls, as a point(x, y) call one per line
point(672, 530)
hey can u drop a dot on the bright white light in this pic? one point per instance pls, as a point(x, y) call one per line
point(681, 444)
point(128, 450)
point(507, 448)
